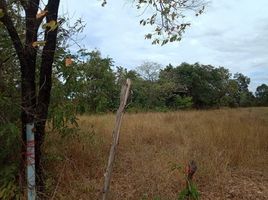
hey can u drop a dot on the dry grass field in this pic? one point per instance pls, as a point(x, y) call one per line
point(230, 147)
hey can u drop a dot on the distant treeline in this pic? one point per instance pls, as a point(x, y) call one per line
point(92, 84)
point(88, 83)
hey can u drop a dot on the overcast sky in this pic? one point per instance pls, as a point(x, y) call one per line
point(231, 33)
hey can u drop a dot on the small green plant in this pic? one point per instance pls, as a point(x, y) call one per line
point(190, 191)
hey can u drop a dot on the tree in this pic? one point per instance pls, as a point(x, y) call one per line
point(149, 70)
point(34, 99)
point(97, 79)
point(245, 98)
point(232, 96)
point(173, 90)
point(206, 84)
point(243, 81)
point(262, 94)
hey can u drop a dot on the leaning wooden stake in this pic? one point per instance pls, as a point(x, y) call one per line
point(116, 132)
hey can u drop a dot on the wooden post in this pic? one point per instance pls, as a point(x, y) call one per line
point(116, 132)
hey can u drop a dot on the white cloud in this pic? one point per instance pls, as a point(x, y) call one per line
point(233, 34)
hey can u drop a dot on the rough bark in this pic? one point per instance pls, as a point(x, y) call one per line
point(45, 84)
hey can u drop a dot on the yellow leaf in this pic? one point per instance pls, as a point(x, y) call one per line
point(38, 43)
point(52, 25)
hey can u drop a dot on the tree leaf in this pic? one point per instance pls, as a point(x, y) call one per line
point(1, 13)
point(38, 43)
point(51, 25)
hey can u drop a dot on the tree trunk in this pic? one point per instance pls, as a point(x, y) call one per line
point(34, 106)
point(39, 138)
point(28, 103)
point(45, 84)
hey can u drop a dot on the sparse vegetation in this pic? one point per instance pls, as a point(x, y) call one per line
point(229, 146)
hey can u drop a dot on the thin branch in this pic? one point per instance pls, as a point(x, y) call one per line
point(31, 31)
point(13, 33)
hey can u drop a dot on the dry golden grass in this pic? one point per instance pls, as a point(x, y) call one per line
point(230, 147)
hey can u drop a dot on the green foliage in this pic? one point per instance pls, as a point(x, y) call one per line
point(51, 25)
point(204, 83)
point(190, 192)
point(9, 154)
point(184, 102)
point(9, 142)
point(89, 84)
point(9, 191)
point(99, 87)
point(63, 118)
point(262, 95)
point(9, 116)
point(180, 102)
point(1, 13)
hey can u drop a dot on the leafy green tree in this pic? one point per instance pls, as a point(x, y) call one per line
point(147, 88)
point(243, 82)
point(245, 97)
point(122, 74)
point(173, 90)
point(204, 83)
point(98, 81)
point(232, 96)
point(262, 95)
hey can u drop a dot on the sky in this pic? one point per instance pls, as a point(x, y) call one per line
point(230, 33)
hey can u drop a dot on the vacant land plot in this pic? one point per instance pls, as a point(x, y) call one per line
point(229, 146)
